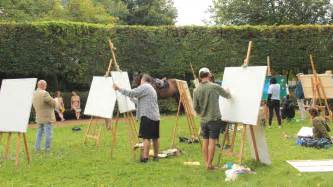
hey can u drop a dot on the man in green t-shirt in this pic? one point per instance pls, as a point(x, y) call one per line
point(206, 104)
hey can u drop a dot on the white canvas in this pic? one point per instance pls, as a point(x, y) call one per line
point(15, 104)
point(312, 165)
point(259, 134)
point(101, 99)
point(246, 88)
point(305, 132)
point(124, 103)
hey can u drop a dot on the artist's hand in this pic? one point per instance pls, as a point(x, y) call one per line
point(228, 92)
point(115, 87)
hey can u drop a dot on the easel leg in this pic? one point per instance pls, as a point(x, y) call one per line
point(114, 134)
point(176, 127)
point(7, 146)
point(0, 137)
point(88, 130)
point(253, 138)
point(18, 145)
point(226, 136)
point(242, 144)
point(233, 138)
point(26, 147)
point(98, 134)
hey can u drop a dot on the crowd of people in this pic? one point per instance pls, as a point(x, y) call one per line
point(205, 102)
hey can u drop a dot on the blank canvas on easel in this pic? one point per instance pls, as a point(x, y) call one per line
point(124, 103)
point(101, 99)
point(15, 104)
point(326, 80)
point(246, 88)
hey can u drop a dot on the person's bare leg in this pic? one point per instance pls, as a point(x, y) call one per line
point(156, 144)
point(61, 115)
point(205, 151)
point(77, 115)
point(211, 151)
point(146, 147)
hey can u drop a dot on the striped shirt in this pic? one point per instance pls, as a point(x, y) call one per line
point(146, 101)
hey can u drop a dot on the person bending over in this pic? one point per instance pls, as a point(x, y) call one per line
point(148, 114)
point(206, 104)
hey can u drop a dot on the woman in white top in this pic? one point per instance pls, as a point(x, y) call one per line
point(60, 106)
point(274, 101)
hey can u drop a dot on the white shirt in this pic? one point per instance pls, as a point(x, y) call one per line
point(274, 89)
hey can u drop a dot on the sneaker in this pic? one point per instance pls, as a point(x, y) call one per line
point(280, 127)
point(270, 127)
point(155, 158)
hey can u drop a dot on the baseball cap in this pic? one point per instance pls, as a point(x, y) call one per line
point(204, 70)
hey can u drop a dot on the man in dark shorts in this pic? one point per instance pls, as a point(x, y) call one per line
point(148, 113)
point(206, 104)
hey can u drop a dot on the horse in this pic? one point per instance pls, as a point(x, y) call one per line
point(165, 88)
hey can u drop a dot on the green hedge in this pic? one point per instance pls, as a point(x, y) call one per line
point(68, 54)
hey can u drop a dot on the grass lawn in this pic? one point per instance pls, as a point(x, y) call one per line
point(71, 163)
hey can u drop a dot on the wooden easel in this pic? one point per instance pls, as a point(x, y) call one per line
point(230, 151)
point(190, 116)
point(319, 92)
point(18, 145)
point(94, 130)
point(196, 80)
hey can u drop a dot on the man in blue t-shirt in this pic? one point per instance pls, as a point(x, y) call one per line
point(299, 94)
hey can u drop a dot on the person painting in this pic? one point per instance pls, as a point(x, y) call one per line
point(273, 102)
point(60, 106)
point(44, 106)
point(206, 104)
point(320, 127)
point(76, 104)
point(148, 113)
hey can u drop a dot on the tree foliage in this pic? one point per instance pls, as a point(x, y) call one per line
point(271, 12)
point(151, 12)
point(138, 12)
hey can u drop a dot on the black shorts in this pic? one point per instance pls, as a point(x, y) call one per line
point(149, 129)
point(212, 129)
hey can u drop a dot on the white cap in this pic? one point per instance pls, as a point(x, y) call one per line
point(204, 70)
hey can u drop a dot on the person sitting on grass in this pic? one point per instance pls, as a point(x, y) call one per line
point(148, 113)
point(206, 104)
point(320, 127)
